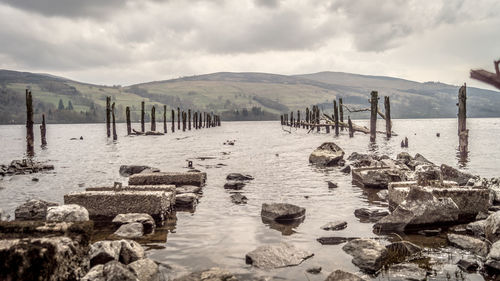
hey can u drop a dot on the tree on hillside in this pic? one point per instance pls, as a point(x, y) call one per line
point(70, 105)
point(61, 105)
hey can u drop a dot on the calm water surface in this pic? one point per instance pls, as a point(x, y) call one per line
point(220, 233)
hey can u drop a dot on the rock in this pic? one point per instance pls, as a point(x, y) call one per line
point(452, 174)
point(404, 157)
point(276, 256)
point(146, 220)
point(128, 170)
point(332, 184)
point(238, 198)
point(238, 177)
point(493, 258)
point(314, 270)
point(111, 271)
point(33, 210)
point(399, 251)
point(346, 169)
point(426, 174)
point(482, 215)
point(335, 225)
point(234, 185)
point(406, 271)
point(130, 251)
point(35, 179)
point(145, 270)
point(24, 166)
point(70, 212)
point(334, 240)
point(130, 230)
point(282, 212)
point(420, 209)
point(339, 275)
point(165, 178)
point(153, 133)
point(186, 200)
point(476, 228)
point(468, 243)
point(187, 189)
point(492, 227)
point(4, 216)
point(377, 177)
point(327, 154)
point(420, 158)
point(383, 195)
point(104, 251)
point(212, 274)
point(368, 215)
point(368, 254)
point(468, 265)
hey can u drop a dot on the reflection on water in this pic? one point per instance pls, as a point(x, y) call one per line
point(219, 232)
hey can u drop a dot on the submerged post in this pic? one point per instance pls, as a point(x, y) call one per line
point(43, 131)
point(29, 124)
point(142, 116)
point(153, 118)
point(336, 114)
point(165, 119)
point(388, 125)
point(115, 137)
point(127, 116)
point(108, 116)
point(341, 112)
point(373, 115)
point(173, 120)
point(351, 131)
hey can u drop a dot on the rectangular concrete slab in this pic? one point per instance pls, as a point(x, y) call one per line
point(175, 178)
point(167, 188)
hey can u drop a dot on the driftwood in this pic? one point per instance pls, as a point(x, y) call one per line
point(380, 113)
point(486, 76)
point(356, 128)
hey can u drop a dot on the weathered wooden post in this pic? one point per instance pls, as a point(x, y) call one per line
point(43, 131)
point(336, 114)
point(281, 117)
point(178, 118)
point(153, 118)
point(189, 119)
point(373, 116)
point(463, 133)
point(127, 116)
point(291, 119)
point(108, 116)
point(388, 125)
point(30, 148)
point(317, 119)
point(183, 121)
point(115, 137)
point(173, 121)
point(142, 117)
point(351, 131)
point(341, 112)
point(165, 119)
point(327, 127)
point(307, 117)
point(298, 119)
point(195, 121)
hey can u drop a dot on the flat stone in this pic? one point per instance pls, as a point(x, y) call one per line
point(184, 200)
point(340, 275)
point(130, 230)
point(175, 178)
point(335, 225)
point(212, 274)
point(69, 212)
point(128, 170)
point(276, 256)
point(406, 271)
point(146, 220)
point(188, 189)
point(468, 265)
point(369, 255)
point(334, 240)
point(153, 133)
point(145, 270)
point(377, 177)
point(234, 185)
point(282, 212)
point(370, 215)
point(33, 210)
point(165, 187)
point(238, 198)
point(314, 270)
point(452, 174)
point(468, 243)
point(327, 154)
point(332, 184)
point(238, 177)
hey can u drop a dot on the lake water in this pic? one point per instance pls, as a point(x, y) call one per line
point(220, 233)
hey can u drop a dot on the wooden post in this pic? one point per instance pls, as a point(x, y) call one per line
point(178, 118)
point(115, 137)
point(142, 117)
point(127, 116)
point(336, 114)
point(195, 121)
point(462, 109)
point(291, 119)
point(108, 116)
point(281, 117)
point(388, 125)
point(307, 117)
point(298, 119)
point(183, 121)
point(165, 119)
point(30, 148)
point(327, 127)
point(351, 131)
point(153, 119)
point(173, 121)
point(317, 119)
point(373, 116)
point(43, 131)
point(189, 119)
point(341, 112)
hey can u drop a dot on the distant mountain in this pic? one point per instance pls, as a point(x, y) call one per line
point(237, 96)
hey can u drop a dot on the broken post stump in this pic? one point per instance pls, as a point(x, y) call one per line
point(189, 119)
point(317, 119)
point(43, 131)
point(183, 121)
point(462, 109)
point(178, 118)
point(115, 137)
point(336, 114)
point(307, 117)
point(30, 148)
point(173, 120)
point(108, 116)
point(388, 125)
point(351, 131)
point(165, 119)
point(341, 113)
point(127, 116)
point(373, 115)
point(153, 119)
point(142, 117)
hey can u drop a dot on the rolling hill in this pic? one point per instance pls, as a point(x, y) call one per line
point(237, 96)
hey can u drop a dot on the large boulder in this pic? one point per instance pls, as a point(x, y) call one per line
point(367, 254)
point(282, 212)
point(212, 274)
point(277, 255)
point(340, 275)
point(33, 210)
point(70, 212)
point(468, 243)
point(124, 251)
point(130, 251)
point(128, 170)
point(377, 177)
point(492, 227)
point(452, 174)
point(146, 220)
point(327, 154)
point(145, 270)
point(111, 271)
point(130, 230)
point(420, 209)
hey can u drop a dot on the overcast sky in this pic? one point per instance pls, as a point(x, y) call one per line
point(126, 42)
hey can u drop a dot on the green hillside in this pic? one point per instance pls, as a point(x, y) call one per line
point(236, 96)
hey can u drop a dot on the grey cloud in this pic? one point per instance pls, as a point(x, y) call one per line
point(268, 3)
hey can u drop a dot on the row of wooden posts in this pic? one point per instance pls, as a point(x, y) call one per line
point(200, 119)
point(30, 147)
point(313, 117)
